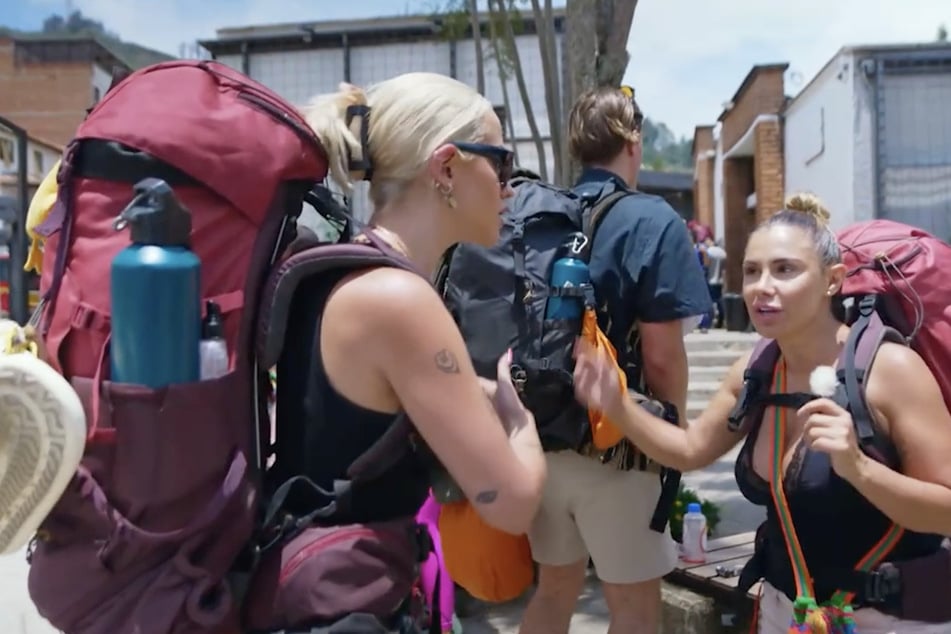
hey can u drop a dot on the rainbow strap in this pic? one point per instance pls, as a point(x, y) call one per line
point(835, 615)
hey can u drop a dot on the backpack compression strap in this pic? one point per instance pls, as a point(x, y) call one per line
point(279, 292)
point(866, 336)
point(756, 382)
point(276, 301)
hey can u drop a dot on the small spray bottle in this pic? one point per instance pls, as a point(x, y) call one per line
point(213, 348)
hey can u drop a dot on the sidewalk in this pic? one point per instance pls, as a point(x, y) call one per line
point(17, 614)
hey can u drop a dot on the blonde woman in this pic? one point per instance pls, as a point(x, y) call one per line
point(374, 343)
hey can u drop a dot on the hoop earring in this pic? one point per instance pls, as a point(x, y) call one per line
point(446, 191)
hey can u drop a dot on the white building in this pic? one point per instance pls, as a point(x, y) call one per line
point(304, 59)
point(41, 155)
point(871, 135)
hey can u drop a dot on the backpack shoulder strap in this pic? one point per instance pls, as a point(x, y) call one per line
point(866, 336)
point(283, 283)
point(442, 272)
point(756, 379)
point(596, 213)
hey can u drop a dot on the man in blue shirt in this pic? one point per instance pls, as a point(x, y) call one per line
point(649, 290)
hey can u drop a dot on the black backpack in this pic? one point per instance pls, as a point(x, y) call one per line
point(498, 297)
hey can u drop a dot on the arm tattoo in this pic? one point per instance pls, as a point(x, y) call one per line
point(486, 497)
point(446, 362)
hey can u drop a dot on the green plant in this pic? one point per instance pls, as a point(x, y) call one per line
point(687, 496)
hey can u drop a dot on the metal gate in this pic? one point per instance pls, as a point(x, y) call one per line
point(914, 139)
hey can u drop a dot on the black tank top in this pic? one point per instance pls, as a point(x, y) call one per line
point(836, 525)
point(333, 431)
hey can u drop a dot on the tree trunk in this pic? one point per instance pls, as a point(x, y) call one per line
point(522, 88)
point(472, 6)
point(579, 60)
point(595, 49)
point(544, 25)
point(614, 28)
point(503, 77)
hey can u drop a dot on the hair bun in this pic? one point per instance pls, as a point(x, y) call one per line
point(809, 204)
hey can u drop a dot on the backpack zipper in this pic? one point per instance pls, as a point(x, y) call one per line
point(322, 543)
point(280, 115)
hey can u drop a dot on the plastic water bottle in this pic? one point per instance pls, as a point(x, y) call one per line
point(155, 292)
point(568, 271)
point(213, 351)
point(694, 548)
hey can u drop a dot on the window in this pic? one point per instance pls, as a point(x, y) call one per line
point(96, 95)
point(38, 161)
point(6, 152)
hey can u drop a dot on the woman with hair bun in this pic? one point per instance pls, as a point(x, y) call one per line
point(836, 500)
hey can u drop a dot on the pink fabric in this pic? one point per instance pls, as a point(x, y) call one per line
point(433, 568)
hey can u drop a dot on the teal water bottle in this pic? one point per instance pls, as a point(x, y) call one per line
point(155, 292)
point(568, 271)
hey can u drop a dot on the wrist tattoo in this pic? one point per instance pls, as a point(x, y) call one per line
point(486, 497)
point(446, 362)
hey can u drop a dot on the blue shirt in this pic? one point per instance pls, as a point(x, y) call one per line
point(643, 264)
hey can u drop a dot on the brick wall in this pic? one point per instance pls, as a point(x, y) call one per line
point(738, 184)
point(703, 192)
point(703, 175)
point(761, 171)
point(768, 172)
point(49, 100)
point(762, 93)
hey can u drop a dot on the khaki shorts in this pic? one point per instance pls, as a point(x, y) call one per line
point(593, 509)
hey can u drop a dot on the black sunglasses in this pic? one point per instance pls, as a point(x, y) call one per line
point(502, 159)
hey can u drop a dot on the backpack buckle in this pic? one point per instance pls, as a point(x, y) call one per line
point(578, 243)
point(519, 378)
point(882, 584)
point(866, 305)
point(751, 388)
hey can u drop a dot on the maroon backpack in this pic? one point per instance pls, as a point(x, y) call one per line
point(164, 526)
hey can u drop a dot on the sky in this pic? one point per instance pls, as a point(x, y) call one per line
point(688, 57)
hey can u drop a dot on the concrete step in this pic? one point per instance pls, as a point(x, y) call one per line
point(707, 372)
point(702, 391)
point(720, 340)
point(711, 358)
point(695, 408)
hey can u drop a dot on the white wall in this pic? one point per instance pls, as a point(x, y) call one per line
point(40, 159)
point(530, 58)
point(864, 148)
point(820, 135)
point(234, 61)
point(719, 201)
point(101, 79)
point(373, 64)
point(298, 75)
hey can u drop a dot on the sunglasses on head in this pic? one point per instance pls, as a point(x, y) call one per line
point(628, 92)
point(502, 159)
